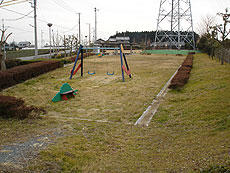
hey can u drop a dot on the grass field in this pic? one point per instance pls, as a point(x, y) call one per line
point(25, 53)
point(169, 51)
point(189, 132)
point(102, 97)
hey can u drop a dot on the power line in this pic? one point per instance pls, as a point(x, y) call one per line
point(9, 1)
point(19, 29)
point(16, 12)
point(64, 6)
point(12, 2)
point(41, 20)
point(71, 29)
point(20, 17)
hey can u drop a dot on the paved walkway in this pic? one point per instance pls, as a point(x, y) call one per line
point(40, 56)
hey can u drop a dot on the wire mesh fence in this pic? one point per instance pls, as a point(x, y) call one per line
point(222, 55)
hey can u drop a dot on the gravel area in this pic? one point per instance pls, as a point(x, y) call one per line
point(19, 154)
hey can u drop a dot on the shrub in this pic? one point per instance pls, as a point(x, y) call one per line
point(217, 169)
point(11, 107)
point(182, 76)
point(6, 80)
point(22, 73)
point(17, 62)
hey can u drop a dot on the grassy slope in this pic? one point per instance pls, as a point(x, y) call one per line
point(190, 131)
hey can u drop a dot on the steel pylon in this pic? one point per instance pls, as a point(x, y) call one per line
point(175, 24)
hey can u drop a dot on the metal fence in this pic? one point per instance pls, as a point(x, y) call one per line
point(222, 54)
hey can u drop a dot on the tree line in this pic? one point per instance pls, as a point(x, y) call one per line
point(146, 37)
point(215, 35)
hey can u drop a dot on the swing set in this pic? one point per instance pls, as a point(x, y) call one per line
point(124, 64)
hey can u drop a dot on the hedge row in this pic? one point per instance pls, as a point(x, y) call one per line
point(85, 55)
point(17, 62)
point(10, 63)
point(182, 76)
point(11, 107)
point(22, 73)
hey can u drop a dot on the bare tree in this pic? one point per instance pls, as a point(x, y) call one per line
point(65, 45)
point(71, 42)
point(2, 43)
point(204, 27)
point(222, 28)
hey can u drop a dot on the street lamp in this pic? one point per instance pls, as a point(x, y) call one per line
point(49, 25)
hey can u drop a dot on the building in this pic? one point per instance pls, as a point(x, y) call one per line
point(10, 47)
point(119, 40)
point(24, 44)
point(113, 42)
point(116, 42)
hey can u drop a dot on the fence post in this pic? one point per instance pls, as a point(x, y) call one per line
point(228, 55)
point(222, 58)
point(212, 54)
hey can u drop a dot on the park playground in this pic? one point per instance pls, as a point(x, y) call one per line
point(96, 127)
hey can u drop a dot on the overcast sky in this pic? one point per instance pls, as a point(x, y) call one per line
point(119, 15)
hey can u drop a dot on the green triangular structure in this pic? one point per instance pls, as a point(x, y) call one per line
point(57, 98)
point(65, 89)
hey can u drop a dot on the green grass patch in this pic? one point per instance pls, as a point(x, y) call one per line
point(169, 52)
point(189, 133)
point(206, 97)
point(25, 53)
point(101, 97)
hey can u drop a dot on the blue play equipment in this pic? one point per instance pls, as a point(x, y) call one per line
point(122, 56)
point(91, 73)
point(110, 74)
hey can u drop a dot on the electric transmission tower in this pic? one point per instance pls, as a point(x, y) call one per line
point(175, 24)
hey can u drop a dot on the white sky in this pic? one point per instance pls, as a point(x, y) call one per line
point(119, 15)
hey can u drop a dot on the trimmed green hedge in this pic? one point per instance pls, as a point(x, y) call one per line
point(17, 62)
point(22, 73)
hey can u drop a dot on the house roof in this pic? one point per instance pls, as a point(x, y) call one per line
point(24, 42)
point(123, 38)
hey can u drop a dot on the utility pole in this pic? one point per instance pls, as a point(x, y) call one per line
point(49, 25)
point(89, 33)
point(95, 10)
point(79, 21)
point(54, 42)
point(64, 42)
point(57, 41)
point(42, 41)
point(35, 28)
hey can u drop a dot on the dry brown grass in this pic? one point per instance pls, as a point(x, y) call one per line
point(95, 146)
point(101, 96)
point(189, 132)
